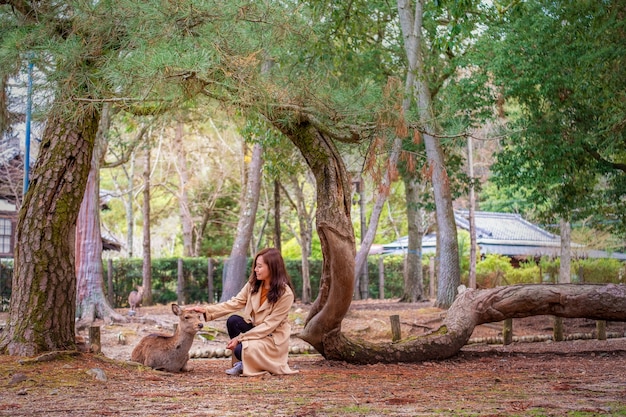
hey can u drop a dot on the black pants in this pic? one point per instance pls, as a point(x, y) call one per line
point(235, 326)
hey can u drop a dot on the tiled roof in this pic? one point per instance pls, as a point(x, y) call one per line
point(506, 234)
point(505, 228)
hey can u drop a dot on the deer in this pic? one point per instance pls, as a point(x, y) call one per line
point(170, 353)
point(134, 299)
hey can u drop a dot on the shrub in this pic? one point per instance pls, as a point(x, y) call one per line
point(598, 271)
point(527, 273)
point(492, 271)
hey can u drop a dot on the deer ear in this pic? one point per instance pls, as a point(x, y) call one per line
point(176, 309)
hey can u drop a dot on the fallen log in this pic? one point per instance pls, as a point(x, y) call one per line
point(475, 307)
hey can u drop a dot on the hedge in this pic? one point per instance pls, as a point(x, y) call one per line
point(127, 274)
point(492, 271)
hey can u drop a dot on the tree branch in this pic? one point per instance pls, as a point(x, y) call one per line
point(596, 155)
point(474, 307)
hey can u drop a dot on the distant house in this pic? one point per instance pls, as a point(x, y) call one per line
point(8, 220)
point(11, 182)
point(506, 234)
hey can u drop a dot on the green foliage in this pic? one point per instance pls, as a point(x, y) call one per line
point(492, 271)
point(218, 236)
point(464, 242)
point(127, 274)
point(598, 271)
point(292, 250)
point(496, 270)
point(6, 277)
point(507, 198)
point(558, 61)
point(394, 276)
point(294, 269)
point(359, 39)
point(549, 268)
point(527, 273)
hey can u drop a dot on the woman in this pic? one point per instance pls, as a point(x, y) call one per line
point(259, 338)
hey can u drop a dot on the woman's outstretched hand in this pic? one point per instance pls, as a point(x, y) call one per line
point(232, 344)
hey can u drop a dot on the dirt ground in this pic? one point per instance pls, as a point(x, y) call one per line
point(581, 377)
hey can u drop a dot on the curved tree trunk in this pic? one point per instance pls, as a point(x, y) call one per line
point(334, 228)
point(43, 302)
point(475, 307)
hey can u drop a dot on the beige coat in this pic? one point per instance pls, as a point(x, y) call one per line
point(265, 347)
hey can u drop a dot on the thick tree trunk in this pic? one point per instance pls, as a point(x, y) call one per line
point(234, 276)
point(90, 300)
point(475, 307)
point(448, 265)
point(334, 228)
point(43, 302)
point(448, 268)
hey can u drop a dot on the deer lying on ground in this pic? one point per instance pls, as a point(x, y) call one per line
point(170, 353)
point(134, 299)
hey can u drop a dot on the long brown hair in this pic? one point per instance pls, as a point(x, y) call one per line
point(280, 279)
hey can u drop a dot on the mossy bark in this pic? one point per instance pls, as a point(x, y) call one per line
point(470, 309)
point(43, 302)
point(475, 307)
point(334, 227)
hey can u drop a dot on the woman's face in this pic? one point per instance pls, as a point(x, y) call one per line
point(261, 270)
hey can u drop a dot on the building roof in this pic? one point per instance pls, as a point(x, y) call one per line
point(506, 234)
point(11, 175)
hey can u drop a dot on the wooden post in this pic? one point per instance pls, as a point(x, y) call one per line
point(94, 339)
point(396, 332)
point(601, 329)
point(209, 277)
point(110, 282)
point(431, 271)
point(507, 332)
point(581, 275)
point(381, 278)
point(558, 329)
point(181, 283)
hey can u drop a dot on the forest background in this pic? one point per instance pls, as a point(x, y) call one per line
point(530, 123)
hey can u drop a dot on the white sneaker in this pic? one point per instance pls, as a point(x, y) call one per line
point(237, 369)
